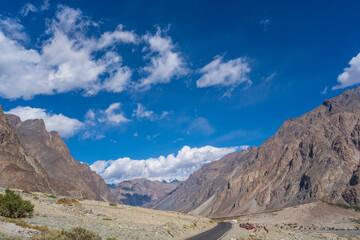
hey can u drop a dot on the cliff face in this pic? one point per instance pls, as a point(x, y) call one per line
point(66, 175)
point(18, 169)
point(315, 156)
point(139, 192)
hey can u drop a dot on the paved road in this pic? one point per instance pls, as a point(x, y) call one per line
point(214, 233)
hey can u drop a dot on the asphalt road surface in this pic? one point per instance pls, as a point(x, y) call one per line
point(214, 233)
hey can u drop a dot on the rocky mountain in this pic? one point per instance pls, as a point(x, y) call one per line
point(18, 169)
point(36, 160)
point(139, 192)
point(315, 156)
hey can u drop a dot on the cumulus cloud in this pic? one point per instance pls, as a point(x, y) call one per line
point(178, 166)
point(351, 75)
point(65, 126)
point(141, 113)
point(165, 62)
point(112, 115)
point(224, 74)
point(66, 60)
point(96, 119)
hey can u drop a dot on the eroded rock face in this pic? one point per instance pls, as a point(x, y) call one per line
point(18, 169)
point(315, 156)
point(67, 176)
point(140, 192)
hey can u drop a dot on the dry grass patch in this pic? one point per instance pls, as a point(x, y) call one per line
point(67, 200)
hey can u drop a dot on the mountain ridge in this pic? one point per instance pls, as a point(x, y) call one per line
point(26, 146)
point(315, 156)
point(141, 192)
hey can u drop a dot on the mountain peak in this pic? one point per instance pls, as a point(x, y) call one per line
point(315, 156)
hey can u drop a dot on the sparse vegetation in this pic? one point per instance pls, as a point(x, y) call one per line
point(6, 237)
point(170, 233)
point(35, 197)
point(27, 191)
point(107, 219)
point(356, 208)
point(23, 224)
point(13, 206)
point(67, 200)
point(50, 196)
point(113, 204)
point(77, 233)
point(111, 239)
point(356, 220)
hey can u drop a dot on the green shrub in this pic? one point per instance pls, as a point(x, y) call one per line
point(50, 196)
point(113, 204)
point(13, 206)
point(77, 233)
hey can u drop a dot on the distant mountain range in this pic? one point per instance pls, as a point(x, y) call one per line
point(36, 160)
point(315, 156)
point(140, 192)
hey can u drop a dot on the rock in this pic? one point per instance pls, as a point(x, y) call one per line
point(139, 192)
point(315, 156)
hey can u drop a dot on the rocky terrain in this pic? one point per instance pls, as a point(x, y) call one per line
point(108, 220)
point(315, 156)
point(310, 221)
point(76, 179)
point(17, 167)
point(138, 192)
point(33, 159)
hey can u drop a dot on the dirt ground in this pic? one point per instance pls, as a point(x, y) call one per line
point(300, 222)
point(120, 221)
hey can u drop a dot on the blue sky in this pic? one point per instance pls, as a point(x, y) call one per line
point(126, 82)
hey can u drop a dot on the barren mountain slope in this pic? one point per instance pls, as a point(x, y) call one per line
point(18, 169)
point(315, 156)
point(70, 177)
point(138, 192)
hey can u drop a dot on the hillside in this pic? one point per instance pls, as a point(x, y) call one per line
point(315, 156)
point(138, 192)
point(109, 221)
point(33, 159)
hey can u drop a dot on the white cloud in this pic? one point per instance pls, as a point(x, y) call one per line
point(28, 7)
point(98, 119)
point(141, 113)
point(323, 92)
point(165, 63)
point(351, 75)
point(178, 166)
point(73, 55)
point(12, 28)
point(66, 60)
point(110, 116)
point(265, 23)
point(65, 126)
point(201, 125)
point(220, 73)
point(45, 6)
point(119, 35)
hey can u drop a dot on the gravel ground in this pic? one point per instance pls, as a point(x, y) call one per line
point(120, 222)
